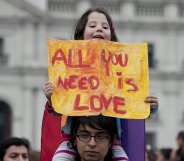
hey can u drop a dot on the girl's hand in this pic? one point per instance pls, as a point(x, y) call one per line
point(48, 90)
point(153, 101)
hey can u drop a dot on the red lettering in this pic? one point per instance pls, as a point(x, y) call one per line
point(72, 64)
point(60, 56)
point(106, 102)
point(83, 83)
point(121, 62)
point(113, 58)
point(98, 102)
point(77, 106)
point(69, 64)
point(131, 82)
point(107, 61)
point(93, 82)
point(62, 84)
point(68, 83)
point(118, 101)
point(120, 83)
point(92, 103)
point(72, 82)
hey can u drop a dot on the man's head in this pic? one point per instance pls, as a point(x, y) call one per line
point(13, 149)
point(93, 137)
point(180, 139)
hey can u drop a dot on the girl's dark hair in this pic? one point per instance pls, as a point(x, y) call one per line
point(106, 123)
point(81, 24)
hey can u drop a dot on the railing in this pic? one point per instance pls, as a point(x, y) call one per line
point(141, 8)
point(181, 10)
point(61, 5)
point(149, 9)
point(111, 6)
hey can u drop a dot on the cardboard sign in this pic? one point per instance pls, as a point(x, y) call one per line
point(95, 76)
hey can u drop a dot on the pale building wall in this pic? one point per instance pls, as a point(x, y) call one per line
point(21, 81)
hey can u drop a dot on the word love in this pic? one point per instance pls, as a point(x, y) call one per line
point(107, 57)
point(98, 103)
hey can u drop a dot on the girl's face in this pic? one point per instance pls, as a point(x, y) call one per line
point(97, 27)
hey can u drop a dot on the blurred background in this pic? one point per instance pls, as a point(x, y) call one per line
point(25, 26)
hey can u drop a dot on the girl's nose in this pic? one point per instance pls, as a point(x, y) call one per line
point(99, 28)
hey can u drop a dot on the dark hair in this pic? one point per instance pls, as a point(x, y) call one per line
point(180, 135)
point(166, 152)
point(106, 123)
point(5, 144)
point(80, 27)
point(151, 155)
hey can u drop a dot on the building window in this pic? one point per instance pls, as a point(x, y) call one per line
point(1, 46)
point(183, 117)
point(151, 59)
point(149, 9)
point(151, 140)
point(3, 57)
point(5, 120)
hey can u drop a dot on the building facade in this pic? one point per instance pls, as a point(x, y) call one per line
point(25, 27)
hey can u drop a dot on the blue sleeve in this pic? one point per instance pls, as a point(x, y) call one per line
point(118, 121)
point(154, 110)
point(67, 127)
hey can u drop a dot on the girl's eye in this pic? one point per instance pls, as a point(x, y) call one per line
point(105, 26)
point(92, 26)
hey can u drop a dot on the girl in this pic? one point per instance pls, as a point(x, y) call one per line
point(93, 24)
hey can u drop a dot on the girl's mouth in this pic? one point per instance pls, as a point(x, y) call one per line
point(98, 37)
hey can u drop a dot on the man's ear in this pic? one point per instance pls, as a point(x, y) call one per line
point(114, 140)
point(115, 137)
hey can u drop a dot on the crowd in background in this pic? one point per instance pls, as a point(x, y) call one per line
point(163, 154)
point(168, 154)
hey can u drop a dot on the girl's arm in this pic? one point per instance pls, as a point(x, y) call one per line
point(48, 91)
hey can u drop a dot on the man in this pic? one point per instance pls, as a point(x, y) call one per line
point(178, 155)
point(14, 149)
point(93, 137)
point(180, 143)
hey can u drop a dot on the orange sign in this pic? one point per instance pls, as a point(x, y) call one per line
point(95, 76)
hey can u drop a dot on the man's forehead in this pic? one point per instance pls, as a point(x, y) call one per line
point(88, 128)
point(17, 149)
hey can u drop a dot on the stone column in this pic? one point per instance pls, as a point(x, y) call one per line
point(40, 101)
point(28, 46)
point(171, 11)
point(127, 10)
point(82, 6)
point(28, 115)
point(41, 51)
